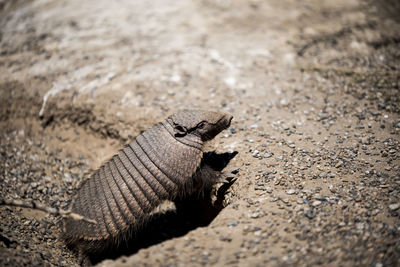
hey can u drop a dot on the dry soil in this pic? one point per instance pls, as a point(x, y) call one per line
point(313, 87)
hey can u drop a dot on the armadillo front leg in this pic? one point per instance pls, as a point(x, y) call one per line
point(197, 204)
point(203, 180)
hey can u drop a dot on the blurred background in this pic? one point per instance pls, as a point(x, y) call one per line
point(313, 87)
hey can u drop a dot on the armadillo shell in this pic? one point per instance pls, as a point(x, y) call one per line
point(155, 167)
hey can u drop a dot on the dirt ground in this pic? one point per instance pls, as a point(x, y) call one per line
point(313, 87)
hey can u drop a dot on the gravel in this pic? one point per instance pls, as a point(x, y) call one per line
point(313, 88)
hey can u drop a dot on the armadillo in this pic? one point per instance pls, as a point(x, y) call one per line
point(163, 163)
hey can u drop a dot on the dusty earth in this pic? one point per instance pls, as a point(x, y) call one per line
point(313, 87)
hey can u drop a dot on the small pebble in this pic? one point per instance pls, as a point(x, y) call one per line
point(316, 203)
point(291, 191)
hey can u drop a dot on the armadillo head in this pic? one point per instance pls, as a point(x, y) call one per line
point(203, 124)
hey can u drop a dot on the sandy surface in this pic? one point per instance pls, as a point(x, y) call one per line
point(313, 87)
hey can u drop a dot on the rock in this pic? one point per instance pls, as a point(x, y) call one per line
point(67, 178)
point(233, 223)
point(316, 203)
point(310, 215)
point(255, 153)
point(254, 215)
point(291, 191)
point(267, 155)
point(225, 238)
point(394, 206)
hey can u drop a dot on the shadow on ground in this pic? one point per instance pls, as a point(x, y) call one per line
point(189, 214)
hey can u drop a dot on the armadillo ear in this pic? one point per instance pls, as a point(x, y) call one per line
point(179, 130)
